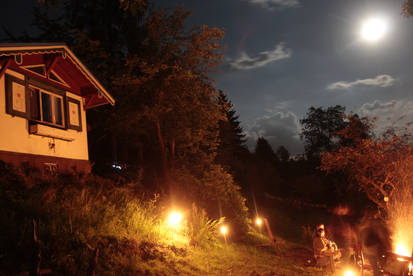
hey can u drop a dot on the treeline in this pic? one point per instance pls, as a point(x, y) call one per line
point(275, 172)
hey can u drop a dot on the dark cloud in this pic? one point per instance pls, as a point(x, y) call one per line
point(279, 128)
point(380, 81)
point(245, 62)
point(271, 4)
point(397, 114)
point(376, 106)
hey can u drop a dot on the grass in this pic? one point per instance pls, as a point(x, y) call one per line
point(78, 215)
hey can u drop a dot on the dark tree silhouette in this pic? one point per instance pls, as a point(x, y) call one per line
point(232, 152)
point(167, 112)
point(165, 125)
point(319, 130)
point(282, 154)
point(264, 152)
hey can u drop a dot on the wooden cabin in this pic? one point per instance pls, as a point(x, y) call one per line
point(45, 91)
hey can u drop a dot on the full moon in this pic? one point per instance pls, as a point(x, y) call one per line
point(373, 29)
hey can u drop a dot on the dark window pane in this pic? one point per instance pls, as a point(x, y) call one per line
point(47, 108)
point(38, 70)
point(53, 77)
point(58, 110)
point(34, 104)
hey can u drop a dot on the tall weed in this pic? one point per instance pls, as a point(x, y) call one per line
point(202, 231)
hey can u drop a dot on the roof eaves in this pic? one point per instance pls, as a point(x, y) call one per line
point(30, 48)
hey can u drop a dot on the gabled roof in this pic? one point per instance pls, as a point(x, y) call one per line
point(59, 58)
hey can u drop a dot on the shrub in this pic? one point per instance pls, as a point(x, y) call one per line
point(216, 193)
point(202, 231)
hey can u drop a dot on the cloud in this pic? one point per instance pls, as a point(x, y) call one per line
point(244, 62)
point(271, 4)
point(381, 81)
point(397, 114)
point(279, 129)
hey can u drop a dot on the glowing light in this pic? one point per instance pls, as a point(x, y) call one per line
point(175, 218)
point(349, 273)
point(373, 29)
point(402, 250)
point(386, 199)
point(258, 221)
point(341, 210)
point(224, 230)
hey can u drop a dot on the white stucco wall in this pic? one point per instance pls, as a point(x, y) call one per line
point(15, 137)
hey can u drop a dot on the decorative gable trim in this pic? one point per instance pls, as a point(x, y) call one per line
point(22, 49)
point(38, 69)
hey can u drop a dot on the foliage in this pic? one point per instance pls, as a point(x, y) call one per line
point(282, 154)
point(202, 231)
point(166, 121)
point(167, 111)
point(319, 129)
point(232, 152)
point(264, 152)
point(77, 215)
point(263, 173)
point(407, 8)
point(215, 191)
point(379, 167)
point(231, 137)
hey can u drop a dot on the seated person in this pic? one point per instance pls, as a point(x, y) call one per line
point(325, 251)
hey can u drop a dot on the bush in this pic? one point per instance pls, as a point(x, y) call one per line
point(75, 216)
point(216, 193)
point(202, 231)
point(79, 216)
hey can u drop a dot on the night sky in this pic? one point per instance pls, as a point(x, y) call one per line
point(284, 56)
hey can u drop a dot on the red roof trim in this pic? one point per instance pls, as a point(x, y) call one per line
point(41, 78)
point(53, 48)
point(6, 65)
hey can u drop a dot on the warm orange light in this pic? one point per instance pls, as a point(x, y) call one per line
point(386, 199)
point(349, 273)
point(175, 218)
point(402, 250)
point(224, 230)
point(258, 221)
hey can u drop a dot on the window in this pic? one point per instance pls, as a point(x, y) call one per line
point(46, 107)
point(16, 96)
point(37, 69)
point(73, 110)
point(42, 103)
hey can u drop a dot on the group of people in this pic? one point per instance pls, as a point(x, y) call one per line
point(372, 236)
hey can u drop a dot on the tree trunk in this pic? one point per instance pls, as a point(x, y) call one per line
point(172, 153)
point(164, 157)
point(36, 255)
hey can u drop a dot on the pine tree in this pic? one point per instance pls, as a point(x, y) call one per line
point(232, 149)
point(282, 154)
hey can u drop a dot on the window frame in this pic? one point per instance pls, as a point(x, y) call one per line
point(68, 124)
point(52, 107)
point(8, 83)
point(33, 114)
point(53, 92)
